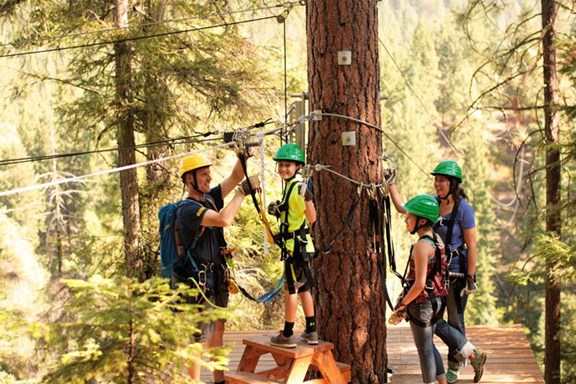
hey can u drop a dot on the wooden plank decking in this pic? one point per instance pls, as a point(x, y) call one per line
point(510, 358)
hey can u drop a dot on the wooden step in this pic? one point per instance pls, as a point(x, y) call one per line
point(345, 370)
point(292, 364)
point(302, 349)
point(249, 378)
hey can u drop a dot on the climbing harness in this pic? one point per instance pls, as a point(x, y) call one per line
point(298, 257)
point(436, 282)
point(457, 278)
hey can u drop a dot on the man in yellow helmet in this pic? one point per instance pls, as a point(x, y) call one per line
point(199, 228)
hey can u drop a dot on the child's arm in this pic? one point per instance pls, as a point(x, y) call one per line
point(310, 211)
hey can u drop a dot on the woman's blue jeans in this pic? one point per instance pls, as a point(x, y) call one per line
point(423, 333)
point(453, 331)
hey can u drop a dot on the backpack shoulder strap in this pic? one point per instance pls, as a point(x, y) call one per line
point(285, 199)
point(177, 235)
point(210, 201)
point(451, 223)
point(438, 255)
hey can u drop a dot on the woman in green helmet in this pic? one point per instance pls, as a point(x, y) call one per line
point(295, 212)
point(423, 298)
point(457, 222)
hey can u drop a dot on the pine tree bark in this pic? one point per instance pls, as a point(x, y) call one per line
point(349, 300)
point(553, 177)
point(126, 147)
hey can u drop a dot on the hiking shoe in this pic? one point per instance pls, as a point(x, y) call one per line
point(310, 338)
point(478, 364)
point(282, 341)
point(452, 375)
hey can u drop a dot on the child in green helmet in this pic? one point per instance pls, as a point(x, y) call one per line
point(295, 213)
point(456, 226)
point(423, 299)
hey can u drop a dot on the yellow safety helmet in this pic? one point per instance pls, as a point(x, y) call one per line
point(192, 162)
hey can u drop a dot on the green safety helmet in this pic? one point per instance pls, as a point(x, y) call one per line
point(425, 206)
point(290, 152)
point(448, 168)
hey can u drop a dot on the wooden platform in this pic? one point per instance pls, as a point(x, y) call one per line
point(510, 358)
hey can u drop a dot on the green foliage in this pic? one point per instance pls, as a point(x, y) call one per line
point(468, 91)
point(550, 249)
point(22, 280)
point(15, 175)
point(481, 308)
point(124, 331)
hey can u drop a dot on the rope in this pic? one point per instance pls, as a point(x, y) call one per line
point(109, 171)
point(362, 185)
point(380, 130)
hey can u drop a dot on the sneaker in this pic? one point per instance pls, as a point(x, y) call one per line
point(452, 375)
point(478, 364)
point(310, 338)
point(282, 341)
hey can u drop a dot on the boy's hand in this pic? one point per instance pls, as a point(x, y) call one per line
point(274, 208)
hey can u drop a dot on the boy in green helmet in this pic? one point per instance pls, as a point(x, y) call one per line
point(295, 213)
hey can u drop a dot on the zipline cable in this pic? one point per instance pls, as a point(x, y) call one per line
point(383, 132)
point(130, 166)
point(175, 141)
point(102, 173)
point(144, 25)
point(456, 150)
point(134, 38)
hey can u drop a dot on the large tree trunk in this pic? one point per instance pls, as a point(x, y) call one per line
point(553, 176)
point(349, 300)
point(126, 147)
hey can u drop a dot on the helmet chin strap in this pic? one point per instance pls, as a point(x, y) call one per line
point(446, 197)
point(417, 226)
point(452, 191)
point(194, 183)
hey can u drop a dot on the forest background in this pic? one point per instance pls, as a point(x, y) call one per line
point(459, 80)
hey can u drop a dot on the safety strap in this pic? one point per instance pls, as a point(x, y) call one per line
point(263, 218)
point(431, 293)
point(178, 236)
point(387, 218)
point(461, 260)
point(450, 226)
point(265, 298)
point(376, 233)
point(438, 255)
point(269, 235)
point(326, 249)
point(285, 257)
point(284, 224)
